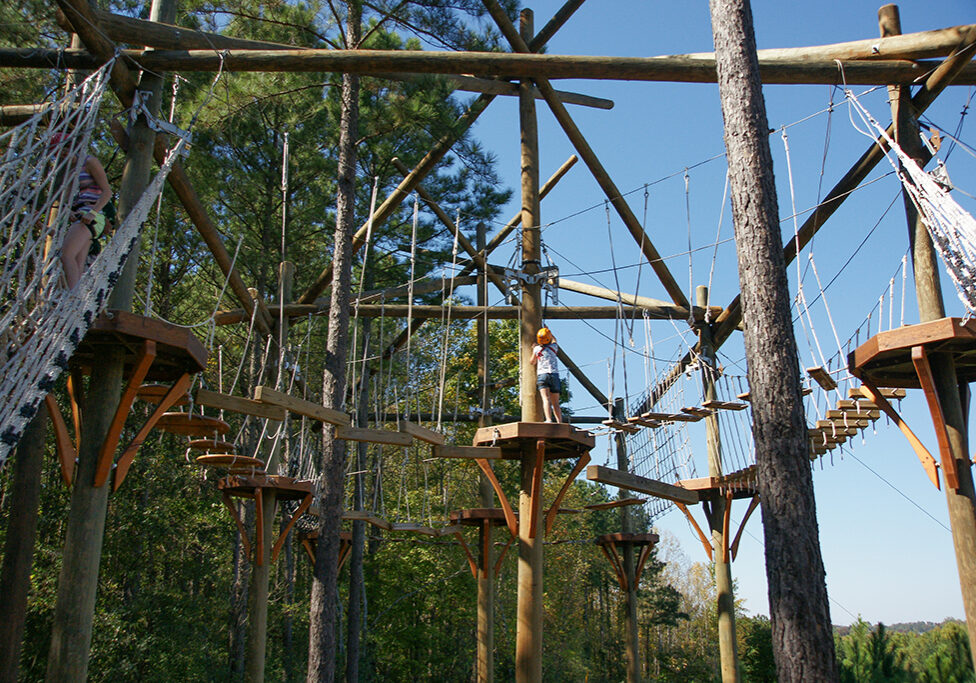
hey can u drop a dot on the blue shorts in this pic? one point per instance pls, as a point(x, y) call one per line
point(548, 380)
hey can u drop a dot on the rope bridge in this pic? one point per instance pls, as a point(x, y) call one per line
point(41, 322)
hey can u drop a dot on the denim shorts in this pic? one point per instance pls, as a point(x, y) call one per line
point(548, 380)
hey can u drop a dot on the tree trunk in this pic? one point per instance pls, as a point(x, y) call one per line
point(322, 612)
point(800, 615)
point(18, 552)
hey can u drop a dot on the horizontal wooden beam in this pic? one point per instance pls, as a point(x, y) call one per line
point(421, 433)
point(122, 29)
point(680, 69)
point(465, 312)
point(632, 482)
point(653, 306)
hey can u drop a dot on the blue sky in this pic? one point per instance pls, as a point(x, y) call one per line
point(883, 526)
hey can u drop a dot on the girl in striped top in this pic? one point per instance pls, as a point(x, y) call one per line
point(88, 221)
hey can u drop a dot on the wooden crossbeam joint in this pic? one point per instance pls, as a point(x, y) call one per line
point(62, 441)
point(701, 534)
point(510, 520)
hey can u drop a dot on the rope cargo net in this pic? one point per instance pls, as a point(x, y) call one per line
point(41, 322)
point(952, 228)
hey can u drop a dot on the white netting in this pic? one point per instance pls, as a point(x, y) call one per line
point(41, 323)
point(953, 230)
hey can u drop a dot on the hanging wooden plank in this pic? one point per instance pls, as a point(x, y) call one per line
point(380, 436)
point(864, 414)
point(239, 404)
point(301, 406)
point(369, 518)
point(697, 412)
point(650, 424)
point(421, 433)
point(621, 426)
point(633, 482)
point(467, 452)
point(724, 405)
point(861, 393)
point(822, 377)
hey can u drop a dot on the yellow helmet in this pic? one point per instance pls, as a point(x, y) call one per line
point(544, 336)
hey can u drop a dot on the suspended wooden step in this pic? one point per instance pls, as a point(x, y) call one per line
point(859, 393)
point(864, 414)
point(621, 426)
point(822, 377)
point(422, 433)
point(239, 404)
point(369, 518)
point(747, 395)
point(467, 452)
point(855, 406)
point(301, 406)
point(840, 424)
point(186, 424)
point(230, 460)
point(670, 417)
point(154, 393)
point(724, 405)
point(211, 446)
point(642, 422)
point(380, 436)
point(698, 412)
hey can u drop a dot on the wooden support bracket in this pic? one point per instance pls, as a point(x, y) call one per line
point(726, 518)
point(303, 506)
point(467, 551)
point(644, 554)
point(62, 441)
point(235, 514)
point(615, 561)
point(753, 504)
point(554, 508)
point(76, 394)
point(106, 456)
point(929, 464)
point(501, 556)
point(345, 547)
point(172, 397)
point(701, 534)
point(535, 495)
point(510, 520)
point(920, 360)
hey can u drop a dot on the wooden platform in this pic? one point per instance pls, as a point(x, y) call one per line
point(625, 538)
point(477, 516)
point(886, 358)
point(154, 393)
point(286, 488)
point(562, 440)
point(178, 351)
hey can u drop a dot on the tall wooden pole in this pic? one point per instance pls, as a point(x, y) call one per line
point(528, 643)
point(803, 643)
point(725, 608)
point(486, 495)
point(74, 609)
point(961, 502)
point(632, 642)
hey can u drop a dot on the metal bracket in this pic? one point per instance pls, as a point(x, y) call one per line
point(140, 105)
point(548, 277)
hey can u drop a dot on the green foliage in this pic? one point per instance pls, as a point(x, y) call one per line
point(755, 645)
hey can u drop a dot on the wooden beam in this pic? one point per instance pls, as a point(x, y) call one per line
point(380, 436)
point(122, 29)
point(301, 406)
point(421, 433)
point(653, 306)
point(676, 69)
point(632, 482)
point(239, 404)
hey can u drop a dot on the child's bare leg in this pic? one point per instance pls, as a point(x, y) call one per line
point(556, 410)
point(544, 392)
point(73, 253)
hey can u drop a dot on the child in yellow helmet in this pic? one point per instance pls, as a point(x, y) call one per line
point(547, 373)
